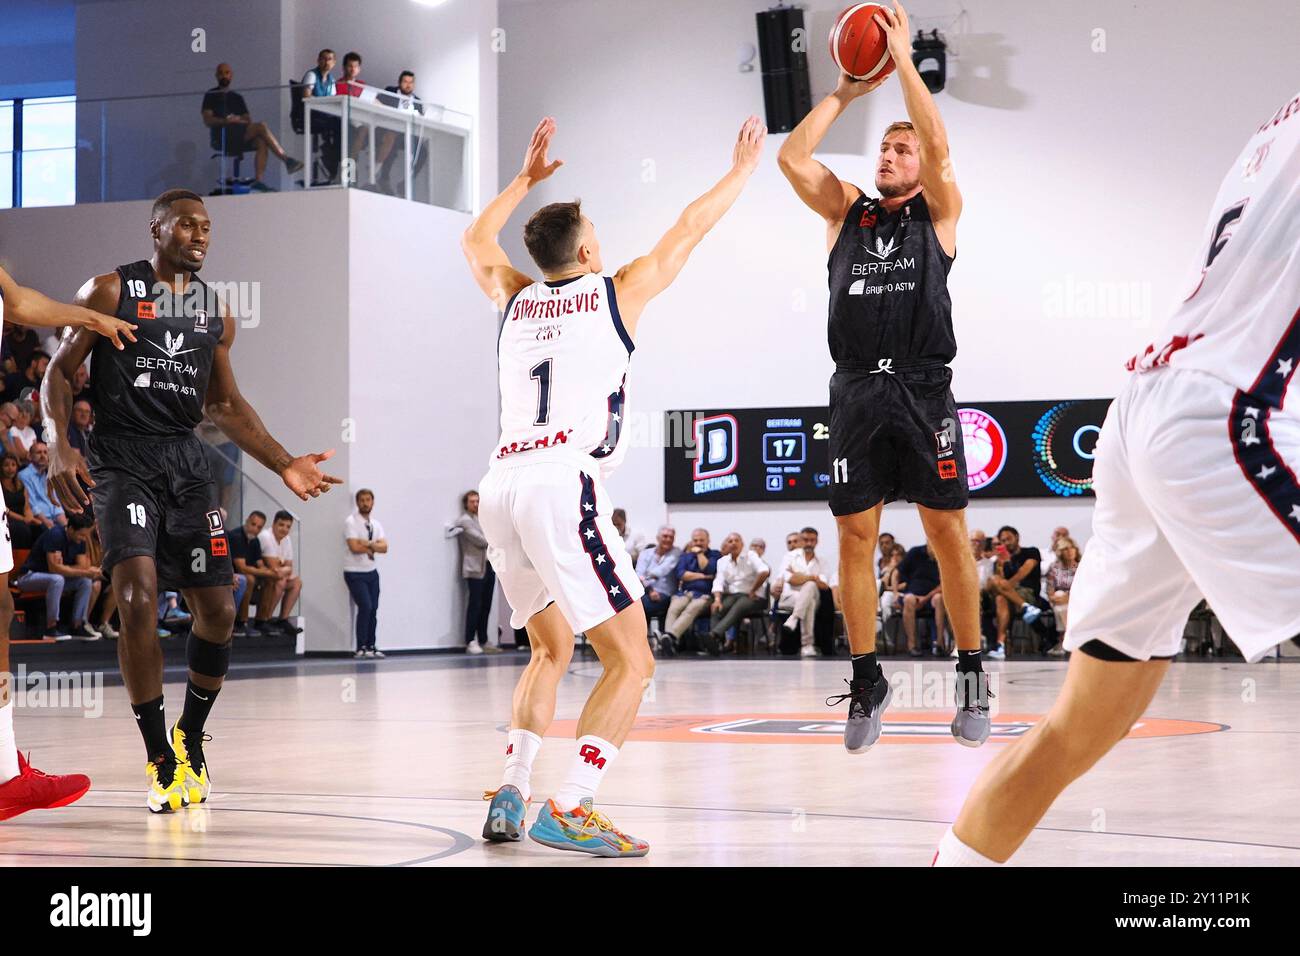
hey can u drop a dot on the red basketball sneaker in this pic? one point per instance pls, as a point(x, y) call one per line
point(34, 790)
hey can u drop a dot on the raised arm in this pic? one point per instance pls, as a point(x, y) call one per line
point(230, 412)
point(489, 263)
point(937, 179)
point(821, 190)
point(644, 278)
point(28, 307)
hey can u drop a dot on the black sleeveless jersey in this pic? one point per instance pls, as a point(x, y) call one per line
point(889, 304)
point(155, 387)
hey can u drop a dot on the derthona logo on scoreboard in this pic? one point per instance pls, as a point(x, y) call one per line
point(716, 454)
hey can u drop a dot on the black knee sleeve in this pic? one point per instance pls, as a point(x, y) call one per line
point(1104, 652)
point(206, 658)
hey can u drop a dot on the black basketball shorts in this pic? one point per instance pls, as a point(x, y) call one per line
point(156, 498)
point(895, 435)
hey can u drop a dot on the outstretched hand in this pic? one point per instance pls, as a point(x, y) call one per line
point(305, 479)
point(110, 327)
point(536, 167)
point(749, 144)
point(898, 32)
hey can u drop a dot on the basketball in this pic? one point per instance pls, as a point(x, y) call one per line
point(858, 44)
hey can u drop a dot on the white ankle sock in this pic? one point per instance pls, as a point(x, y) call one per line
point(8, 749)
point(952, 852)
point(521, 750)
point(592, 758)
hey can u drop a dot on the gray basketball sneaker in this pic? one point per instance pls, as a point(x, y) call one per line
point(867, 703)
point(972, 723)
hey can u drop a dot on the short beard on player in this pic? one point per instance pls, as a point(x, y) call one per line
point(889, 192)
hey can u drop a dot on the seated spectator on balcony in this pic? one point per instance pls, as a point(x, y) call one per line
point(80, 425)
point(387, 155)
point(793, 544)
point(634, 541)
point(35, 480)
point(319, 81)
point(233, 131)
point(808, 581)
point(918, 575)
point(1015, 583)
point(21, 434)
point(24, 528)
point(737, 592)
point(695, 572)
point(350, 84)
point(364, 537)
point(58, 563)
point(17, 384)
point(19, 344)
point(1058, 579)
point(277, 552)
point(251, 572)
point(657, 570)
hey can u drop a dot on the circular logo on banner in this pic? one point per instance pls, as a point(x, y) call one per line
point(986, 447)
point(1064, 442)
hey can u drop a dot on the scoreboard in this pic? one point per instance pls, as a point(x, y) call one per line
point(1013, 450)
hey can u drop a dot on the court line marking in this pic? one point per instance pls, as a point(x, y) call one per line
point(460, 841)
point(784, 812)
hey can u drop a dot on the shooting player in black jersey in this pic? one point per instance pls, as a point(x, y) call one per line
point(154, 497)
point(894, 431)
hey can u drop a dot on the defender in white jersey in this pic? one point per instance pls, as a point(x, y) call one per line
point(564, 348)
point(1197, 497)
point(22, 787)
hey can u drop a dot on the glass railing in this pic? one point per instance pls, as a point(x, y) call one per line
point(130, 148)
point(240, 493)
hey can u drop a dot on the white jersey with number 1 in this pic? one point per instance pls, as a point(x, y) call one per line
point(563, 357)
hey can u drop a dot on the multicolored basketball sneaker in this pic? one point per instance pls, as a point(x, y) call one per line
point(193, 765)
point(505, 819)
point(585, 830)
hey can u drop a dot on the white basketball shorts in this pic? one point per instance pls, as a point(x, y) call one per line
point(550, 538)
point(1197, 497)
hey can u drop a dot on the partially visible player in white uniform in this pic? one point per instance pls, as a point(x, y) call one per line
point(1197, 497)
point(23, 788)
point(563, 352)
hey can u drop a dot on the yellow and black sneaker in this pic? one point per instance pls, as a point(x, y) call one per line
point(193, 766)
point(166, 784)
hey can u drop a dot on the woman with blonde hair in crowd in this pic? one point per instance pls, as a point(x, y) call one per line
point(1059, 579)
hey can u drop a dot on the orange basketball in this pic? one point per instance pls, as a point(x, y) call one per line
point(858, 45)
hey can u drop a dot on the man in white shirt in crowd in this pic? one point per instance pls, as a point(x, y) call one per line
point(736, 589)
point(364, 536)
point(984, 560)
point(807, 583)
point(793, 545)
point(634, 541)
point(21, 433)
point(1049, 559)
point(886, 542)
point(657, 569)
point(277, 553)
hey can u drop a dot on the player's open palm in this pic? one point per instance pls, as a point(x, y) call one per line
point(749, 144)
point(68, 477)
point(304, 478)
point(536, 164)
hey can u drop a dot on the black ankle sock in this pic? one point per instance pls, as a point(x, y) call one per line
point(153, 727)
point(198, 704)
point(865, 667)
point(968, 662)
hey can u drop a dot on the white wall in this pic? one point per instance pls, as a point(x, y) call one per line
point(366, 341)
point(422, 398)
point(1081, 171)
